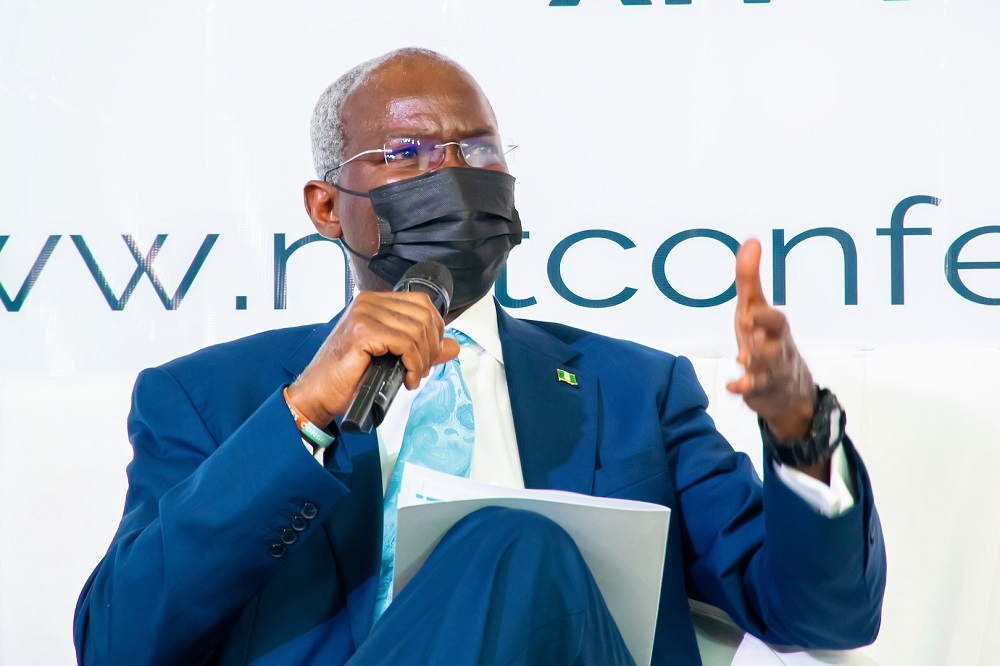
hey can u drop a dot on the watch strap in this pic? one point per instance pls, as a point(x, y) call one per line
point(826, 433)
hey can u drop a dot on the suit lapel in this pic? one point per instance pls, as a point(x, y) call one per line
point(556, 423)
point(354, 526)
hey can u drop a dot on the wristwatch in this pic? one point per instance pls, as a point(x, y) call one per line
point(825, 434)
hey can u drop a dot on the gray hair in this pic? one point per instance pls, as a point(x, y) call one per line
point(327, 127)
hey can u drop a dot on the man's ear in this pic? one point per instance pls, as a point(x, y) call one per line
point(320, 199)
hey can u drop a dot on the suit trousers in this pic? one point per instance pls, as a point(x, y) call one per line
point(503, 586)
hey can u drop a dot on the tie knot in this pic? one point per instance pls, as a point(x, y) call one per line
point(461, 338)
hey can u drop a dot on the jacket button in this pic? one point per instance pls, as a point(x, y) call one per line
point(309, 511)
point(299, 523)
point(276, 549)
point(288, 536)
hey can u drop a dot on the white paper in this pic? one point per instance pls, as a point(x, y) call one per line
point(623, 542)
point(755, 652)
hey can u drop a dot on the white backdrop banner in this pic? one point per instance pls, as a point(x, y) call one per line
point(152, 157)
point(855, 138)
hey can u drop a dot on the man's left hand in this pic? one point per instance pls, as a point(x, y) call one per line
point(776, 382)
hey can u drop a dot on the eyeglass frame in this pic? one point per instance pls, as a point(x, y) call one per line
point(507, 149)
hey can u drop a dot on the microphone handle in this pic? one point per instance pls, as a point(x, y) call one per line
point(379, 386)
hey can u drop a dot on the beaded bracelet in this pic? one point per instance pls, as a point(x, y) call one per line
point(309, 430)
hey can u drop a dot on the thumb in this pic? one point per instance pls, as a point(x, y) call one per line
point(449, 350)
point(748, 286)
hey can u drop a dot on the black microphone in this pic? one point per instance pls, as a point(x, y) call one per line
point(384, 376)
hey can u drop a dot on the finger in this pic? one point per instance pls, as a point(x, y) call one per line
point(751, 384)
point(743, 327)
point(736, 386)
point(411, 346)
point(418, 308)
point(446, 351)
point(764, 353)
point(773, 322)
point(761, 323)
point(742, 386)
point(386, 328)
point(449, 350)
point(418, 362)
point(392, 300)
point(408, 328)
point(406, 311)
point(748, 286)
point(748, 339)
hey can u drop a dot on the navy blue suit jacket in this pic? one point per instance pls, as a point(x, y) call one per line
point(198, 573)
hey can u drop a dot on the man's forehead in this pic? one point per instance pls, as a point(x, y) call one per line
point(436, 101)
point(441, 112)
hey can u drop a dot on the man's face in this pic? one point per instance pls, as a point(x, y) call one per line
point(410, 97)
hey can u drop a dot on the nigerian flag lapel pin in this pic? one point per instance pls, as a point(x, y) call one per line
point(567, 377)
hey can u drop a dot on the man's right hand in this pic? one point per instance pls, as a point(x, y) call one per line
point(375, 324)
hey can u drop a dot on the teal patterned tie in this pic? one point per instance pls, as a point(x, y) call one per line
point(439, 435)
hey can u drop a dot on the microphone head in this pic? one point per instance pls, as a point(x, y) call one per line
point(432, 278)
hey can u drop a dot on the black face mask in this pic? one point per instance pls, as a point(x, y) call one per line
point(462, 217)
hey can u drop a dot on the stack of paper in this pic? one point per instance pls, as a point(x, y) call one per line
point(622, 541)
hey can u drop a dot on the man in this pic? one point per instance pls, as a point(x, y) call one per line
point(241, 545)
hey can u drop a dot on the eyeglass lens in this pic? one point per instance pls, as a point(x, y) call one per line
point(423, 153)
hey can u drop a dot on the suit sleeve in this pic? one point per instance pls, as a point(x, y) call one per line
point(781, 570)
point(201, 530)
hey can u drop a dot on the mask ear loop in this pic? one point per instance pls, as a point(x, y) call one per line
point(352, 192)
point(352, 250)
point(385, 235)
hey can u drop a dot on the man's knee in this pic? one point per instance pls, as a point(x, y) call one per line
point(502, 526)
point(521, 543)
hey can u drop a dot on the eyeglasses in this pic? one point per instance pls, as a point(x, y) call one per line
point(420, 154)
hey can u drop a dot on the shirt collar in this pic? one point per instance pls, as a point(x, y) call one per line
point(479, 322)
